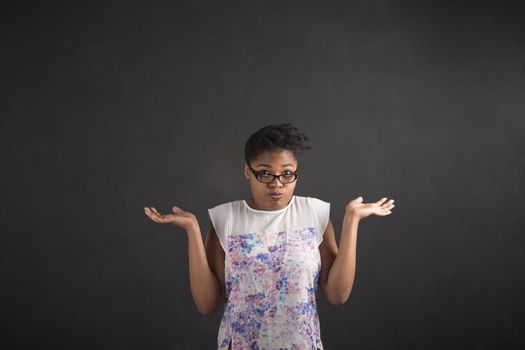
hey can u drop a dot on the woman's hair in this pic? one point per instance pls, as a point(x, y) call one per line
point(273, 138)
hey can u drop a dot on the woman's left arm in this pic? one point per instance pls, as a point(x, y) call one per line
point(338, 264)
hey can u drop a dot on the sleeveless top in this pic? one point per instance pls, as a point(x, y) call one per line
point(271, 271)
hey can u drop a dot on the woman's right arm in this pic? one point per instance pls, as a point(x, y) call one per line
point(206, 265)
point(206, 279)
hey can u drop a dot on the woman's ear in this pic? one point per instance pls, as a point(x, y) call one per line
point(246, 172)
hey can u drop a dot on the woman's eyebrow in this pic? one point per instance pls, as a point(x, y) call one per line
point(269, 166)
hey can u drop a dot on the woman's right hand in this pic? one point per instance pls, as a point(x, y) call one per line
point(179, 217)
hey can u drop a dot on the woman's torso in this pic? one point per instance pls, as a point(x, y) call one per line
point(271, 270)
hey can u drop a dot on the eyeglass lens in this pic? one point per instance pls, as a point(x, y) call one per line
point(284, 178)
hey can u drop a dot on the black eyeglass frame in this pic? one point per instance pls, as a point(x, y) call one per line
point(256, 174)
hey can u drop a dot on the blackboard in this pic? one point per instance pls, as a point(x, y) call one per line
point(108, 107)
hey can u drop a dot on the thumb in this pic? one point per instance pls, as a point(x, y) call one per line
point(177, 210)
point(359, 199)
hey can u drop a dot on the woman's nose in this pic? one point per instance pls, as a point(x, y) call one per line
point(276, 183)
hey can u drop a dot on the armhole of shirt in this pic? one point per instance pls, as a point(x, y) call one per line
point(220, 218)
point(321, 216)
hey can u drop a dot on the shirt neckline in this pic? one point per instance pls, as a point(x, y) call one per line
point(269, 211)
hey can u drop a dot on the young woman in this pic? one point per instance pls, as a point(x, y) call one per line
point(264, 258)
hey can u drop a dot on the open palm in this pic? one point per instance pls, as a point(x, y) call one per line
point(362, 210)
point(179, 217)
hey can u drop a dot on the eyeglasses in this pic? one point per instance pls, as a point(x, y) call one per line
point(265, 177)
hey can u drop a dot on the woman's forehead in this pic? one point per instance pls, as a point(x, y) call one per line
point(280, 158)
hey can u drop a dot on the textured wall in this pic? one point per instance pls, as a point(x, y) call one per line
point(112, 106)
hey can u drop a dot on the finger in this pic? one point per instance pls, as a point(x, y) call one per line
point(177, 210)
point(151, 213)
point(387, 204)
point(155, 211)
point(148, 212)
point(157, 215)
point(381, 201)
point(384, 210)
point(152, 216)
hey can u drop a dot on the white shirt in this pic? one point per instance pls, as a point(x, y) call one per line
point(272, 265)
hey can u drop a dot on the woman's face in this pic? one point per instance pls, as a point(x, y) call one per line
point(276, 163)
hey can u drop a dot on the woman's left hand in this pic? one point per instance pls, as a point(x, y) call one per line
point(359, 210)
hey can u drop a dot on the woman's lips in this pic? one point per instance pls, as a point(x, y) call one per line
point(275, 195)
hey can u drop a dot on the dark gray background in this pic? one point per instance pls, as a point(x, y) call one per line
point(112, 106)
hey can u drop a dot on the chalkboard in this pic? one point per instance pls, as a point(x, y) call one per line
point(108, 107)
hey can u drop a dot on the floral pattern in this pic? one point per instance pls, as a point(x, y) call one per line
point(270, 289)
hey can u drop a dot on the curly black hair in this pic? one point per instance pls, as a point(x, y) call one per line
point(275, 137)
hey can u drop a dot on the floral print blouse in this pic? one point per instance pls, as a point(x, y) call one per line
point(271, 269)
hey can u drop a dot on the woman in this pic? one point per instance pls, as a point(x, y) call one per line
point(264, 258)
